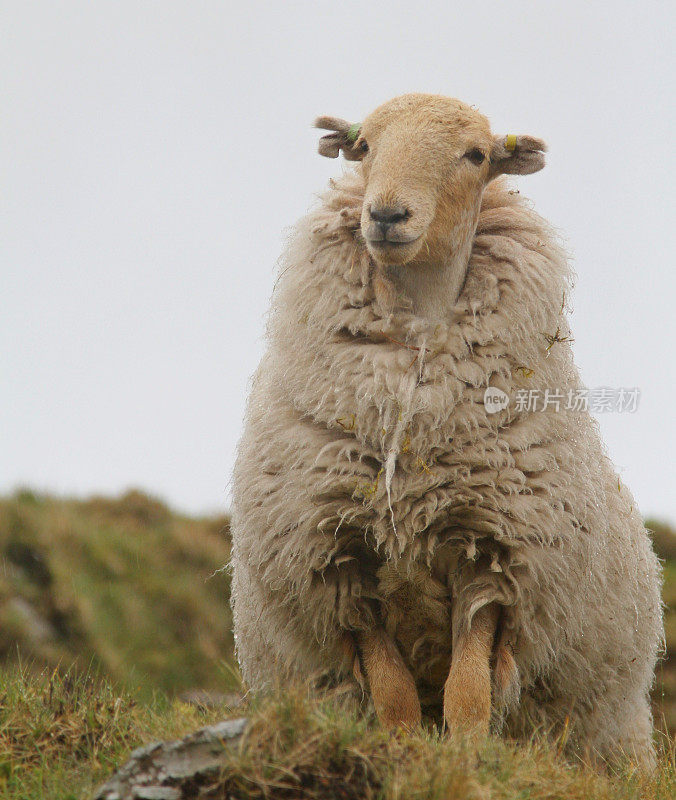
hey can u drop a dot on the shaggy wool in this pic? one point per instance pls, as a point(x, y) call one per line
point(372, 486)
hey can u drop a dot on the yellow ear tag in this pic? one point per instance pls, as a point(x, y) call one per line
point(510, 142)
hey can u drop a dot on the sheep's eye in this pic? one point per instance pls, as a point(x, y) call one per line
point(475, 156)
point(363, 146)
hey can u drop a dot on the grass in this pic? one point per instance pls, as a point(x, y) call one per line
point(62, 735)
point(123, 585)
point(63, 732)
point(113, 610)
point(302, 747)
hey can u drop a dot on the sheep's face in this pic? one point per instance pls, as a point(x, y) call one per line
point(426, 160)
point(424, 170)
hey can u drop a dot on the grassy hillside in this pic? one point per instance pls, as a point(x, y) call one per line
point(123, 586)
point(115, 611)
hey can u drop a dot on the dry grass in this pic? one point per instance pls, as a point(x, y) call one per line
point(61, 736)
point(299, 747)
point(63, 732)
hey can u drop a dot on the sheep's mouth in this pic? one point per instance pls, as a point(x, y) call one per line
point(385, 243)
point(390, 252)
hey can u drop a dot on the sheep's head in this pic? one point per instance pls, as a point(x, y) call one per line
point(426, 160)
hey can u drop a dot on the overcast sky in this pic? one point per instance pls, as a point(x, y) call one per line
point(153, 153)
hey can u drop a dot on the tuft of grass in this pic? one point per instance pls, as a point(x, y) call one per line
point(298, 746)
point(63, 732)
point(61, 735)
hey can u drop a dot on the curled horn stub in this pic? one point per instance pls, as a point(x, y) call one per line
point(343, 138)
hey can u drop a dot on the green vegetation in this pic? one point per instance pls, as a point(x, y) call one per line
point(63, 733)
point(113, 612)
point(298, 747)
point(61, 736)
point(123, 586)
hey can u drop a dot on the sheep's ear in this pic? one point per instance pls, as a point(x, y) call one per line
point(517, 155)
point(343, 138)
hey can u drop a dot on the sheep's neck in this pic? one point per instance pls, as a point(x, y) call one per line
point(433, 285)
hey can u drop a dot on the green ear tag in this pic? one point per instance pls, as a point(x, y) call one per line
point(353, 132)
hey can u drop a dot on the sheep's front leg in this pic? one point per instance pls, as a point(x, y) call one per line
point(467, 693)
point(392, 686)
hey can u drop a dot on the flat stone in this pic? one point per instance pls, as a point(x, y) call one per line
point(157, 793)
point(162, 770)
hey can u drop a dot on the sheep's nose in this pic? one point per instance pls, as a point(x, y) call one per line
point(388, 215)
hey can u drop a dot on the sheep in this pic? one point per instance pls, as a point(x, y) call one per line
point(484, 566)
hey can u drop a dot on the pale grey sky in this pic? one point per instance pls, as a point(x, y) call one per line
point(153, 153)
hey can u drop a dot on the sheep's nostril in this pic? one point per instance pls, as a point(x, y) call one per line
point(388, 215)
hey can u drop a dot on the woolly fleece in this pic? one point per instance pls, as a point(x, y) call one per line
point(371, 486)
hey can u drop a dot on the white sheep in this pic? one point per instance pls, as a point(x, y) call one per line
point(386, 527)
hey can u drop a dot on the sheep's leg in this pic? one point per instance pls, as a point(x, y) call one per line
point(467, 693)
point(392, 686)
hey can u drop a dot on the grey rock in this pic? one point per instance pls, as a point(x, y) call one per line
point(170, 770)
point(157, 793)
